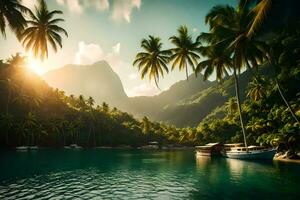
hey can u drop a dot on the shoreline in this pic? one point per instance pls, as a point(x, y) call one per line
point(297, 161)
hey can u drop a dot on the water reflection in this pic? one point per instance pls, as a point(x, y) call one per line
point(113, 174)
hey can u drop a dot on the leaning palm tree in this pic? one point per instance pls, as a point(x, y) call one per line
point(12, 15)
point(43, 29)
point(153, 61)
point(228, 31)
point(185, 52)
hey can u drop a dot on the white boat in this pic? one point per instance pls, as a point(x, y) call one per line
point(251, 152)
point(22, 148)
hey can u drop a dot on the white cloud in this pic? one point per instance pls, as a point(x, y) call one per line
point(117, 48)
point(60, 2)
point(123, 8)
point(195, 30)
point(144, 89)
point(90, 53)
point(133, 76)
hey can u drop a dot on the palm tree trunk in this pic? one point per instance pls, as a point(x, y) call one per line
point(186, 72)
point(285, 101)
point(237, 91)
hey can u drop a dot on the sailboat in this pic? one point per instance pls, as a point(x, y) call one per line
point(248, 152)
point(242, 151)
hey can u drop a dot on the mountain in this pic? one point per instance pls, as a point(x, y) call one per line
point(97, 80)
point(156, 106)
point(185, 103)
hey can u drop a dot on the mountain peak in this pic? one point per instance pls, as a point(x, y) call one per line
point(97, 80)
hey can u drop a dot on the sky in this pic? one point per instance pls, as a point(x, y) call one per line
point(112, 30)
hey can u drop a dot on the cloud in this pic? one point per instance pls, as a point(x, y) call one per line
point(123, 8)
point(133, 76)
point(144, 89)
point(90, 53)
point(102, 4)
point(117, 48)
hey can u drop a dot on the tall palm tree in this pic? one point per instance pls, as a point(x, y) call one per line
point(153, 60)
point(43, 29)
point(185, 51)
point(12, 15)
point(228, 31)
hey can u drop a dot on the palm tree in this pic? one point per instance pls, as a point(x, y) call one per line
point(17, 60)
point(185, 51)
point(231, 105)
point(30, 125)
point(260, 12)
point(12, 15)
point(257, 88)
point(43, 29)
point(6, 122)
point(90, 102)
point(105, 107)
point(81, 102)
point(216, 61)
point(229, 31)
point(153, 60)
point(145, 125)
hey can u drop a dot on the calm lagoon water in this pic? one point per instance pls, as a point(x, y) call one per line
point(134, 174)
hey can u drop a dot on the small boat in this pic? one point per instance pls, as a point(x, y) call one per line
point(151, 145)
point(22, 148)
point(33, 147)
point(210, 149)
point(73, 146)
point(250, 152)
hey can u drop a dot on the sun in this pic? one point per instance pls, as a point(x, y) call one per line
point(35, 65)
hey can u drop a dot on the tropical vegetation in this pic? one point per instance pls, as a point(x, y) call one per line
point(267, 112)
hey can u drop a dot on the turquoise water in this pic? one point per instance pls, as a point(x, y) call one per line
point(134, 174)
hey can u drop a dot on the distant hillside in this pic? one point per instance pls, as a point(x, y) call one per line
point(97, 80)
point(153, 106)
point(185, 103)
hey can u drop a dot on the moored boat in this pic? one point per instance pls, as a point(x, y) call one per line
point(210, 149)
point(251, 152)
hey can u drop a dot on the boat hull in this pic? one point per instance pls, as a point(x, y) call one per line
point(251, 155)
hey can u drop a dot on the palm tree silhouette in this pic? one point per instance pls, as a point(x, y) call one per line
point(43, 29)
point(185, 52)
point(153, 60)
point(12, 15)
